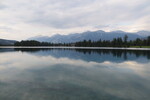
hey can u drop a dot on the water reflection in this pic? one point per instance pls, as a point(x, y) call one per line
point(66, 74)
point(88, 55)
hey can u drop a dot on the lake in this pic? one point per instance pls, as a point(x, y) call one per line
point(74, 74)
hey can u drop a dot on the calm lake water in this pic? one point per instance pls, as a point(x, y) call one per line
point(74, 74)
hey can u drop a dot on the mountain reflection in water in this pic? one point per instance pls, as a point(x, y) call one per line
point(74, 74)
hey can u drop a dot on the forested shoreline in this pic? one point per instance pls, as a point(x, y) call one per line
point(116, 42)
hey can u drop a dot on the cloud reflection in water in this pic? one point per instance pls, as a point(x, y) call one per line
point(44, 75)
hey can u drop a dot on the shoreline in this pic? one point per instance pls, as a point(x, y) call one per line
point(63, 47)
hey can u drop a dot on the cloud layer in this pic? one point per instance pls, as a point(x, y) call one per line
point(21, 19)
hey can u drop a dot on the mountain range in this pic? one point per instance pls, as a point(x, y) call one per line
point(7, 42)
point(90, 35)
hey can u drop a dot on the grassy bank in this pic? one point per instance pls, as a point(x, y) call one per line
point(139, 46)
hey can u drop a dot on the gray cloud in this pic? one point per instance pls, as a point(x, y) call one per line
point(2, 6)
point(64, 15)
point(90, 13)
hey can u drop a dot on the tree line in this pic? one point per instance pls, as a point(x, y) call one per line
point(116, 42)
point(36, 43)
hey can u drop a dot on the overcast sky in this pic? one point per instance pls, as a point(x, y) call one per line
point(20, 19)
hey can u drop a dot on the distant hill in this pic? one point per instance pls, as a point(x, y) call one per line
point(90, 35)
point(7, 42)
point(143, 33)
